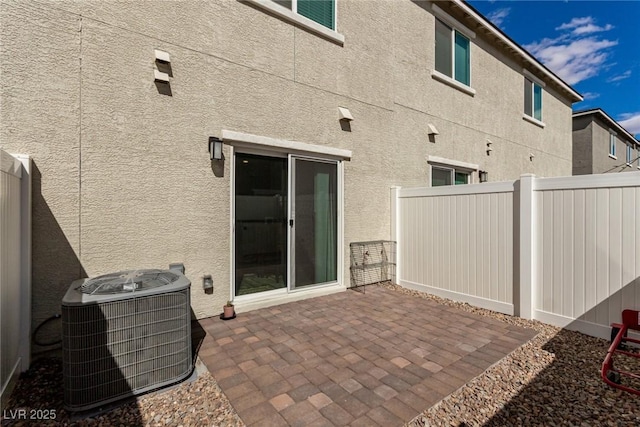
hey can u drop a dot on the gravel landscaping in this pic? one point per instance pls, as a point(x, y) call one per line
point(551, 380)
point(192, 403)
point(554, 379)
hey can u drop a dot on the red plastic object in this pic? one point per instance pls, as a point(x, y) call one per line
point(610, 375)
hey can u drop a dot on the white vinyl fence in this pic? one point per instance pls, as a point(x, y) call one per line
point(457, 242)
point(587, 250)
point(15, 269)
point(565, 251)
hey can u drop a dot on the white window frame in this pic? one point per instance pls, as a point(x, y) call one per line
point(456, 26)
point(453, 172)
point(534, 81)
point(240, 142)
point(629, 154)
point(292, 16)
point(452, 165)
point(612, 145)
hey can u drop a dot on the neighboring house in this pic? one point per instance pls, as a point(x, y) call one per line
point(115, 102)
point(601, 145)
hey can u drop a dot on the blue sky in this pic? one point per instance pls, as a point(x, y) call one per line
point(592, 45)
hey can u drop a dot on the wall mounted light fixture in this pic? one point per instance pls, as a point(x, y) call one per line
point(531, 156)
point(215, 148)
point(489, 149)
point(483, 175)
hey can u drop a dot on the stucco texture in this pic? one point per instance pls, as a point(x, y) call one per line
point(591, 139)
point(123, 175)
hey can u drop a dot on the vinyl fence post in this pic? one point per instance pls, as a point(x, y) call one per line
point(395, 226)
point(25, 262)
point(527, 248)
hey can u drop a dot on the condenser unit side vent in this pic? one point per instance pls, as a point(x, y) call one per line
point(123, 347)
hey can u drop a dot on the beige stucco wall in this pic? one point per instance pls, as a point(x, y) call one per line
point(40, 116)
point(582, 146)
point(125, 179)
point(591, 147)
point(601, 161)
point(466, 122)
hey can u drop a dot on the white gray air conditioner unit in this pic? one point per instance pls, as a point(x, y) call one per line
point(124, 334)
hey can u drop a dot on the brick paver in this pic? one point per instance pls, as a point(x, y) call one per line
point(374, 358)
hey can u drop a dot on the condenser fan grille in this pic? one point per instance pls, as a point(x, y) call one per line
point(128, 281)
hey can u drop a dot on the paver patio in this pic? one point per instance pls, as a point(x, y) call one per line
point(352, 358)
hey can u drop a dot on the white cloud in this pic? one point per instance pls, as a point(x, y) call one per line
point(585, 25)
point(499, 15)
point(592, 29)
point(622, 76)
point(589, 96)
point(575, 22)
point(573, 60)
point(631, 122)
point(576, 54)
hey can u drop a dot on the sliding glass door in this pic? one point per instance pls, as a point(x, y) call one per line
point(286, 223)
point(261, 211)
point(315, 216)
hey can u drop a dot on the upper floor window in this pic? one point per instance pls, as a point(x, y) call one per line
point(532, 99)
point(321, 11)
point(452, 53)
point(612, 145)
point(629, 154)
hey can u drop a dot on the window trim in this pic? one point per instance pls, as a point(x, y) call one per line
point(451, 80)
point(613, 152)
point(531, 118)
point(533, 78)
point(302, 21)
point(442, 168)
point(437, 75)
point(454, 166)
point(452, 22)
point(266, 146)
point(241, 139)
point(453, 171)
point(629, 154)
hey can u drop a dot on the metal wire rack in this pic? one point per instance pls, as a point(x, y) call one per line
point(372, 262)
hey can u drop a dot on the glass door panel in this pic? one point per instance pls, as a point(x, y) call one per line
point(260, 223)
point(315, 217)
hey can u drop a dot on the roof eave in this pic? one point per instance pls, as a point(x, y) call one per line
point(614, 124)
point(574, 96)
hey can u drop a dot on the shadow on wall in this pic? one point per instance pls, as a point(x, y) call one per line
point(55, 266)
point(217, 167)
point(569, 390)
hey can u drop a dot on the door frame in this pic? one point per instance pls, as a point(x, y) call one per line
point(280, 294)
point(291, 236)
